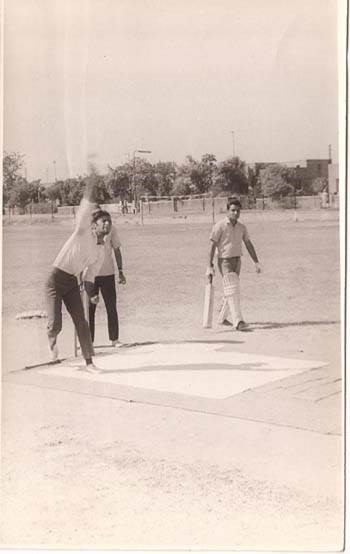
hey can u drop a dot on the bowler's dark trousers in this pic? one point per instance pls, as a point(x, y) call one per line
point(106, 283)
point(61, 286)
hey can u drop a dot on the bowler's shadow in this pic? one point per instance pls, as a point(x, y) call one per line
point(189, 367)
point(130, 345)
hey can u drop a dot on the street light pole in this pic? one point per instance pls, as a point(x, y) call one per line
point(233, 143)
point(137, 151)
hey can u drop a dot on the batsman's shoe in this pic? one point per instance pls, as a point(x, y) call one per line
point(226, 322)
point(115, 343)
point(242, 326)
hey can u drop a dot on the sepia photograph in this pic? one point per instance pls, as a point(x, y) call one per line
point(173, 275)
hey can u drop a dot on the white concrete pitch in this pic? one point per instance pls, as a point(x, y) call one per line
point(210, 370)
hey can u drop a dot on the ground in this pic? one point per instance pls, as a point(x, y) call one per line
point(83, 467)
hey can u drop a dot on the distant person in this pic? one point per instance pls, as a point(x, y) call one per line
point(82, 251)
point(105, 282)
point(124, 205)
point(226, 237)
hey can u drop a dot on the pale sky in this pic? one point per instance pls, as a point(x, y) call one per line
point(96, 79)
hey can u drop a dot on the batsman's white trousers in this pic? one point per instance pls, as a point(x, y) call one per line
point(232, 296)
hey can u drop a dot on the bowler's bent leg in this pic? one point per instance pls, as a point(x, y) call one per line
point(92, 311)
point(53, 300)
point(74, 305)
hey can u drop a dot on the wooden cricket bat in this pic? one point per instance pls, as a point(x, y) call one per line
point(208, 303)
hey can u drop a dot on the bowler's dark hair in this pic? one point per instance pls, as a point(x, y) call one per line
point(98, 214)
point(233, 202)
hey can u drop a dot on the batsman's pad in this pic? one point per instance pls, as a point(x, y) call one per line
point(223, 311)
point(231, 288)
point(230, 283)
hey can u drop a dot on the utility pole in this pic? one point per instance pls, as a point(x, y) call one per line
point(133, 174)
point(330, 153)
point(54, 170)
point(233, 144)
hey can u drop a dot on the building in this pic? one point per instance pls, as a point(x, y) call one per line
point(333, 178)
point(316, 168)
point(306, 172)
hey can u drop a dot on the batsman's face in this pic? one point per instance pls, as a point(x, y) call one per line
point(234, 213)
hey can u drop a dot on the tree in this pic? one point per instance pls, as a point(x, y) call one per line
point(231, 177)
point(119, 181)
point(144, 179)
point(206, 171)
point(101, 192)
point(23, 193)
point(183, 186)
point(67, 193)
point(54, 192)
point(165, 174)
point(276, 181)
point(12, 165)
point(254, 184)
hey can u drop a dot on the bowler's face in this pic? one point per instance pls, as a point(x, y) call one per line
point(233, 213)
point(103, 225)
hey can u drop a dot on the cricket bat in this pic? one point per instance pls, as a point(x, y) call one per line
point(208, 303)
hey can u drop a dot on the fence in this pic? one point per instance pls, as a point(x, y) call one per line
point(298, 202)
point(208, 208)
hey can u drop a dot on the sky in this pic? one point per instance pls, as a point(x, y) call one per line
point(94, 80)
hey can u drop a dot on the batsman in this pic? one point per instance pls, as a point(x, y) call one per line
point(227, 236)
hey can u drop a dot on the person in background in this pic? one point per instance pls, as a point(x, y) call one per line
point(105, 281)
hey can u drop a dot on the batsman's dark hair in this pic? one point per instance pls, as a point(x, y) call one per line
point(98, 214)
point(233, 202)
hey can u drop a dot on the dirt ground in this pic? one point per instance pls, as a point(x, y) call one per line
point(79, 471)
point(110, 474)
point(298, 291)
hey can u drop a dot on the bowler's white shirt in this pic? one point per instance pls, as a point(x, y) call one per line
point(81, 250)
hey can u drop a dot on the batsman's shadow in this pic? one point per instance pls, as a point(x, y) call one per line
point(283, 325)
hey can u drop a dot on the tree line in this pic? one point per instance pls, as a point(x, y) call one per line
point(140, 178)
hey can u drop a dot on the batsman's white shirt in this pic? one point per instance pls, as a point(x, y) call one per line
point(228, 238)
point(81, 250)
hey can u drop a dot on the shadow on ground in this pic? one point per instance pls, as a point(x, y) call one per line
point(189, 367)
point(125, 345)
point(276, 325)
